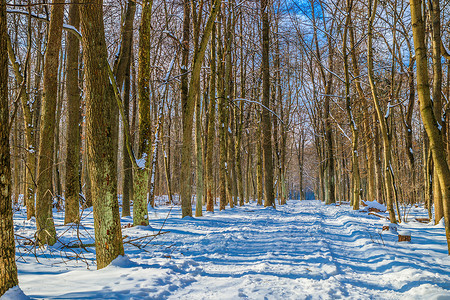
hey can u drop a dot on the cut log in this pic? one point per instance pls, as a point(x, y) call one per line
point(404, 236)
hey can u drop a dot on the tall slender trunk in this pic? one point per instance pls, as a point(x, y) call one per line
point(73, 92)
point(101, 157)
point(30, 129)
point(211, 125)
point(45, 193)
point(140, 175)
point(367, 136)
point(57, 153)
point(188, 107)
point(229, 95)
point(222, 119)
point(437, 99)
point(144, 78)
point(122, 74)
point(426, 110)
point(388, 171)
point(356, 183)
point(16, 163)
point(196, 16)
point(259, 167)
point(265, 118)
point(379, 192)
point(185, 183)
point(8, 268)
point(127, 182)
point(167, 162)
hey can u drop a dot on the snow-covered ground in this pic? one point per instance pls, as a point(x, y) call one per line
point(303, 250)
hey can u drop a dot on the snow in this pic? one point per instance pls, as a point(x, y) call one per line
point(14, 293)
point(374, 204)
point(404, 232)
point(142, 161)
point(302, 250)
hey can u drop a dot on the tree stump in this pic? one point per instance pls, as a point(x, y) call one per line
point(404, 236)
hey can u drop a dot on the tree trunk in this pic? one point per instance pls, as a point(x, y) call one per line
point(437, 99)
point(30, 130)
point(211, 126)
point(141, 176)
point(259, 169)
point(240, 124)
point(101, 155)
point(222, 121)
point(72, 190)
point(8, 268)
point(188, 111)
point(377, 159)
point(144, 78)
point(426, 110)
point(350, 112)
point(265, 119)
point(127, 166)
point(367, 136)
point(388, 171)
point(185, 179)
point(45, 193)
point(229, 95)
point(122, 74)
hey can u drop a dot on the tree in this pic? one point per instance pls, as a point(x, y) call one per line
point(188, 105)
point(73, 124)
point(44, 199)
point(426, 110)
point(266, 138)
point(388, 171)
point(211, 126)
point(102, 159)
point(140, 210)
point(30, 130)
point(349, 107)
point(122, 74)
point(8, 268)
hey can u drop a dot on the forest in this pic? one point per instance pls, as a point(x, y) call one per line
point(172, 140)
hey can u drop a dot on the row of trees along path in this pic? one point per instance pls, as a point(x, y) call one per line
point(244, 101)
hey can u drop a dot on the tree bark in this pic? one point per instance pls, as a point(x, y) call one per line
point(259, 168)
point(72, 190)
point(141, 175)
point(222, 121)
point(211, 126)
point(437, 99)
point(265, 119)
point(367, 135)
point(8, 268)
point(30, 136)
point(101, 155)
point(356, 181)
point(144, 79)
point(122, 74)
point(426, 110)
point(382, 121)
point(188, 113)
point(45, 193)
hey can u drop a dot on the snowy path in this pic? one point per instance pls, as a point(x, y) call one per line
point(303, 250)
